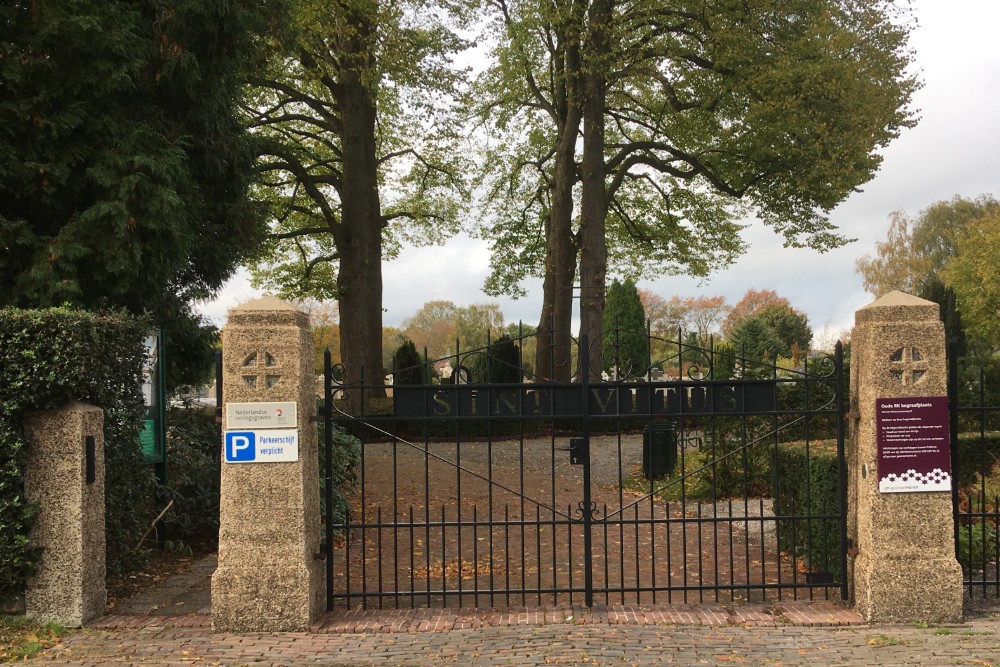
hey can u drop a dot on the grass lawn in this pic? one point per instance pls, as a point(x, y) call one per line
point(21, 638)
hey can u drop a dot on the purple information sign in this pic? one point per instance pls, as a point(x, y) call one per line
point(914, 451)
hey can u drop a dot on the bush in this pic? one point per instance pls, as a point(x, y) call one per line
point(977, 545)
point(49, 357)
point(344, 472)
point(807, 487)
point(407, 365)
point(738, 460)
point(192, 476)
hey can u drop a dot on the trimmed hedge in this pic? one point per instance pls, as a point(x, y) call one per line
point(49, 357)
point(807, 486)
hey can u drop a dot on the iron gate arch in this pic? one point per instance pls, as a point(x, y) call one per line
point(534, 493)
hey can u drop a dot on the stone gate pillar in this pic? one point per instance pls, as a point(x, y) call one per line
point(903, 565)
point(65, 476)
point(268, 578)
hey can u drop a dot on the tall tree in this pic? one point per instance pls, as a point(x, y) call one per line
point(753, 302)
point(358, 124)
point(442, 328)
point(972, 275)
point(531, 105)
point(665, 316)
point(789, 326)
point(704, 314)
point(623, 344)
point(691, 116)
point(754, 341)
point(916, 251)
point(124, 168)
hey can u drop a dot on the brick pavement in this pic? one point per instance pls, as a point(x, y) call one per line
point(783, 633)
point(595, 640)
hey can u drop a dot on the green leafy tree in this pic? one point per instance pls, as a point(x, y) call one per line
point(124, 168)
point(789, 326)
point(915, 252)
point(754, 342)
point(973, 276)
point(624, 343)
point(750, 305)
point(357, 126)
point(474, 324)
point(689, 117)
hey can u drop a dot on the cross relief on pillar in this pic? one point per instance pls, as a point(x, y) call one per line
point(907, 365)
point(261, 370)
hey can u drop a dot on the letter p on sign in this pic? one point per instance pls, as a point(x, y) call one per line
point(240, 446)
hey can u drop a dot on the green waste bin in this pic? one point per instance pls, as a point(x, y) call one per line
point(659, 449)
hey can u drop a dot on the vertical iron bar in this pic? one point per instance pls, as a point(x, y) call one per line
point(506, 549)
point(538, 550)
point(379, 533)
point(427, 509)
point(607, 575)
point(328, 453)
point(953, 426)
point(701, 559)
point(638, 574)
point(588, 557)
point(670, 571)
point(475, 555)
point(732, 553)
point(842, 469)
point(413, 592)
point(569, 550)
point(395, 520)
point(218, 412)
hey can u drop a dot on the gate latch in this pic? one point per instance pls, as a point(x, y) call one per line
point(579, 450)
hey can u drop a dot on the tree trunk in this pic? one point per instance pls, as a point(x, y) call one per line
point(594, 205)
point(554, 354)
point(553, 357)
point(359, 281)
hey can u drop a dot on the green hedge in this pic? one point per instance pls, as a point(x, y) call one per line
point(807, 486)
point(48, 357)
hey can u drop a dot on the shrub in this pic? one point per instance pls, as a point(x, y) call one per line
point(738, 460)
point(192, 481)
point(407, 365)
point(49, 357)
point(344, 464)
point(977, 545)
point(807, 487)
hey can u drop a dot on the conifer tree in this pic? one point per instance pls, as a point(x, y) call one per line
point(624, 343)
point(124, 168)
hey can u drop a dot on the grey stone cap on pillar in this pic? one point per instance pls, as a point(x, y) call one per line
point(268, 310)
point(898, 306)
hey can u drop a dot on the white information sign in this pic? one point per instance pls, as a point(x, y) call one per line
point(264, 446)
point(250, 416)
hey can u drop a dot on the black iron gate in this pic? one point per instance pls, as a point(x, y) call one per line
point(974, 397)
point(704, 476)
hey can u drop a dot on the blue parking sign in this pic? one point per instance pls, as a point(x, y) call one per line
point(241, 446)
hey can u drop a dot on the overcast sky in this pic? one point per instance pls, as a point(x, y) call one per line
point(954, 149)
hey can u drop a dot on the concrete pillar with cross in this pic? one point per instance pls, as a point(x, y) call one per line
point(269, 578)
point(900, 518)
